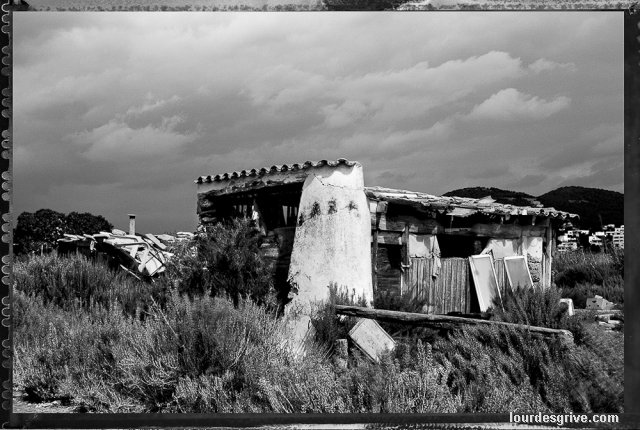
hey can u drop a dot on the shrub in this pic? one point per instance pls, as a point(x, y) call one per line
point(495, 369)
point(74, 280)
point(535, 306)
point(207, 355)
point(226, 351)
point(225, 261)
point(612, 290)
point(54, 347)
point(403, 382)
point(328, 325)
point(573, 268)
point(601, 369)
point(582, 274)
point(403, 303)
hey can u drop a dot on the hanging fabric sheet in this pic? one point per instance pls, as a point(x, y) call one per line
point(426, 246)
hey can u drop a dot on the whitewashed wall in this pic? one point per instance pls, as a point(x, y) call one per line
point(333, 239)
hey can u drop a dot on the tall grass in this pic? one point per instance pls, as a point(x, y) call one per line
point(535, 306)
point(199, 340)
point(583, 274)
point(583, 266)
point(585, 377)
point(53, 346)
point(502, 369)
point(206, 355)
point(74, 280)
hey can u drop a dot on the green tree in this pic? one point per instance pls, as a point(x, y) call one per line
point(226, 261)
point(81, 223)
point(40, 230)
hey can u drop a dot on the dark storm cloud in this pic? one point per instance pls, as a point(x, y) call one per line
point(118, 113)
point(528, 181)
point(490, 173)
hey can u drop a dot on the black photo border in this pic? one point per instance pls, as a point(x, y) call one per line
point(630, 419)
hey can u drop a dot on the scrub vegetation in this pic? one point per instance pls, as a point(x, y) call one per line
point(207, 337)
point(582, 274)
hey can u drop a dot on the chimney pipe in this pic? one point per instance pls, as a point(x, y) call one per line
point(132, 224)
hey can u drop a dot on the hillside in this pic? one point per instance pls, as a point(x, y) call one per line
point(589, 203)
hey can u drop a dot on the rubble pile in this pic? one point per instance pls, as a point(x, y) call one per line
point(140, 255)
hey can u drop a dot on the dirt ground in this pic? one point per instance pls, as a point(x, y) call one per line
point(22, 407)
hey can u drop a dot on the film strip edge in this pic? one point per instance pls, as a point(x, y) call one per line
point(5, 202)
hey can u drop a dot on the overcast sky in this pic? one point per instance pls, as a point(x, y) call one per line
point(118, 113)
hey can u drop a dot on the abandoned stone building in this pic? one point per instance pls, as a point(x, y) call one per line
point(324, 226)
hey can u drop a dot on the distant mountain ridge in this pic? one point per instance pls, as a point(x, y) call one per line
point(596, 207)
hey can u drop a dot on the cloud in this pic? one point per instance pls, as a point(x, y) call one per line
point(528, 181)
point(397, 143)
point(599, 141)
point(150, 105)
point(384, 96)
point(395, 177)
point(544, 65)
point(607, 139)
point(116, 141)
point(98, 93)
point(510, 104)
point(610, 175)
point(490, 173)
point(349, 112)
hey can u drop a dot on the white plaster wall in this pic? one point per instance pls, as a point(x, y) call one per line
point(532, 246)
point(508, 247)
point(503, 248)
point(331, 247)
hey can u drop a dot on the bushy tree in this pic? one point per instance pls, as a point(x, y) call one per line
point(41, 229)
point(37, 230)
point(226, 261)
point(81, 223)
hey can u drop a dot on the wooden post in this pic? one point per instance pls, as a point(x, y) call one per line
point(380, 209)
point(552, 247)
point(446, 321)
point(546, 280)
point(406, 266)
point(374, 260)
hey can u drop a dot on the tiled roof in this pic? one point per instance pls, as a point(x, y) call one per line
point(274, 169)
point(460, 206)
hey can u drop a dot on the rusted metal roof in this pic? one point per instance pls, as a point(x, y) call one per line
point(459, 206)
point(274, 169)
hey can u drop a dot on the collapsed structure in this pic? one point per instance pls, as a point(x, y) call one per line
point(140, 255)
point(322, 226)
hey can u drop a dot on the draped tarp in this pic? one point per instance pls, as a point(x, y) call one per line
point(426, 246)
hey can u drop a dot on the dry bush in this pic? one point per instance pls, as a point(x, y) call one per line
point(226, 262)
point(583, 274)
point(74, 280)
